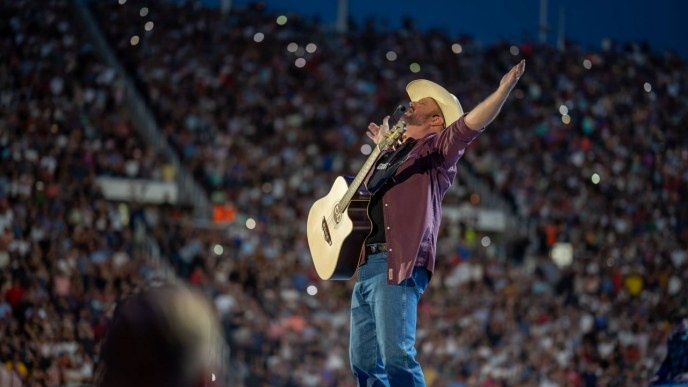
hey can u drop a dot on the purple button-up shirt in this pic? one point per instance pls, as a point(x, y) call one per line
point(412, 207)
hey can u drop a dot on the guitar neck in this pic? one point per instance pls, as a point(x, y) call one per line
point(389, 138)
point(358, 180)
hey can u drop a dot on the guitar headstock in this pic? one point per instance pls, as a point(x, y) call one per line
point(392, 136)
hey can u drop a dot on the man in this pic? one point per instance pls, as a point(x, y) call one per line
point(408, 184)
point(166, 336)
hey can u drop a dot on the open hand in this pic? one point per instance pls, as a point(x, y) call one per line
point(510, 79)
point(376, 132)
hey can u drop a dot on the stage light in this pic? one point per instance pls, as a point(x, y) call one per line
point(595, 178)
point(250, 223)
point(134, 40)
point(143, 12)
point(281, 20)
point(148, 26)
point(292, 47)
point(311, 290)
point(566, 119)
point(366, 149)
point(258, 37)
point(311, 48)
point(647, 86)
point(485, 241)
point(300, 62)
point(587, 64)
point(414, 67)
point(456, 48)
point(563, 110)
point(218, 250)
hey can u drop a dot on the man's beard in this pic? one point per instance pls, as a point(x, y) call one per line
point(416, 119)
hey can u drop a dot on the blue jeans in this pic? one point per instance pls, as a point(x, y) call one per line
point(383, 326)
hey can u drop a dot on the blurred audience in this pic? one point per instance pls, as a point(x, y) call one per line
point(265, 116)
point(66, 254)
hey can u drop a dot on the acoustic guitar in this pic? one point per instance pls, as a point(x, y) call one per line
point(338, 223)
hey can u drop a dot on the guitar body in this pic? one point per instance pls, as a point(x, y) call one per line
point(338, 223)
point(336, 241)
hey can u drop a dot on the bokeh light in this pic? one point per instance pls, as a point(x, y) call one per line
point(474, 199)
point(366, 149)
point(587, 64)
point(514, 50)
point(218, 249)
point(312, 290)
point(486, 241)
point(250, 223)
point(258, 37)
point(148, 26)
point(391, 56)
point(281, 20)
point(300, 62)
point(134, 40)
point(414, 67)
point(456, 48)
point(562, 254)
point(311, 48)
point(143, 12)
point(647, 86)
point(595, 178)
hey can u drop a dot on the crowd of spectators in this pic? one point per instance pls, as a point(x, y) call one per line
point(588, 151)
point(265, 115)
point(66, 253)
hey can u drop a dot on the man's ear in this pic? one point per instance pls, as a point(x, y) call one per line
point(437, 119)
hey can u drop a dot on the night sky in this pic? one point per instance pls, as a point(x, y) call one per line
point(661, 23)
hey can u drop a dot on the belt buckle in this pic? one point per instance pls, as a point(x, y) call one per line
point(377, 248)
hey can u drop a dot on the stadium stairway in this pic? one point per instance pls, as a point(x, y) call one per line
point(190, 192)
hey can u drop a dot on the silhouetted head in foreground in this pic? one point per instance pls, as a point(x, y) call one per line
point(164, 336)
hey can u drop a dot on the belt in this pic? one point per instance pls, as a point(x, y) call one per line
point(375, 248)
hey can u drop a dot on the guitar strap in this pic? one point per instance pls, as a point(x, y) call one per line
point(388, 164)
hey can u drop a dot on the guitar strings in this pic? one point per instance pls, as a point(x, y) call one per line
point(397, 131)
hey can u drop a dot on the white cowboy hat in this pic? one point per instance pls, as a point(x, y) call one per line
point(448, 103)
